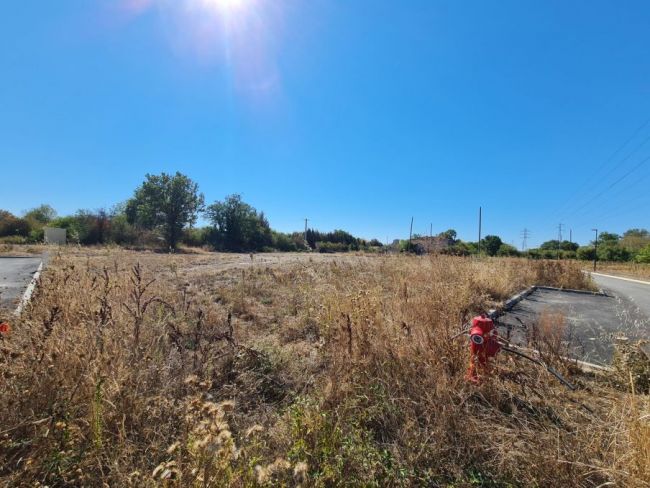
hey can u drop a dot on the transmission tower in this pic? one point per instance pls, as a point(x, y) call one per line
point(525, 234)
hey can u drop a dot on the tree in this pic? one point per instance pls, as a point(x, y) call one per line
point(41, 215)
point(507, 250)
point(450, 235)
point(635, 239)
point(236, 226)
point(491, 245)
point(608, 238)
point(569, 246)
point(10, 225)
point(644, 255)
point(586, 253)
point(168, 203)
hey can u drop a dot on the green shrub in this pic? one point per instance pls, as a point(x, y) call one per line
point(586, 253)
point(644, 255)
point(330, 247)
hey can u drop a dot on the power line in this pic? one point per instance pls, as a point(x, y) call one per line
point(612, 185)
point(567, 205)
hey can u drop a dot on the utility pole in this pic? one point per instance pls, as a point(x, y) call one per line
point(525, 234)
point(306, 220)
point(571, 236)
point(559, 239)
point(430, 237)
point(480, 222)
point(595, 248)
point(410, 235)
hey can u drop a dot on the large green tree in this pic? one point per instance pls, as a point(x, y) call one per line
point(41, 215)
point(236, 226)
point(168, 203)
point(491, 245)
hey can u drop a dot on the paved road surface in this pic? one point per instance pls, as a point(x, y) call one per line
point(15, 275)
point(592, 322)
point(637, 293)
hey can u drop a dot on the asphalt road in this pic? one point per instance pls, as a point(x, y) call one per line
point(637, 293)
point(593, 322)
point(15, 275)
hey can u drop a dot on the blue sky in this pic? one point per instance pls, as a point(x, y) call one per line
point(357, 114)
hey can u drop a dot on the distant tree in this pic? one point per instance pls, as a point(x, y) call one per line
point(491, 245)
point(637, 233)
point(644, 255)
point(166, 202)
point(507, 250)
point(449, 234)
point(375, 243)
point(612, 252)
point(586, 253)
point(39, 216)
point(569, 246)
point(608, 238)
point(236, 226)
point(635, 239)
point(551, 245)
point(554, 244)
point(284, 242)
point(10, 225)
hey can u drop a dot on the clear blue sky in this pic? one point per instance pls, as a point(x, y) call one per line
point(355, 113)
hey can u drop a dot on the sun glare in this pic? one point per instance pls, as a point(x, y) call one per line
point(224, 5)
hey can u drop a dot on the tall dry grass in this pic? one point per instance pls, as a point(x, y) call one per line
point(632, 270)
point(148, 370)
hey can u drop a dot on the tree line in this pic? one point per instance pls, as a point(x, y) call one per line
point(164, 211)
point(632, 245)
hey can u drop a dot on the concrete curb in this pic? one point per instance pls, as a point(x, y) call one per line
point(620, 278)
point(28, 292)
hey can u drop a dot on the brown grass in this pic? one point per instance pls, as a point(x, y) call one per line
point(631, 270)
point(137, 369)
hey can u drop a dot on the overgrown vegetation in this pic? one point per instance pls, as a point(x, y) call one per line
point(136, 369)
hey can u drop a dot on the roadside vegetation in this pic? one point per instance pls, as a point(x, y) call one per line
point(141, 369)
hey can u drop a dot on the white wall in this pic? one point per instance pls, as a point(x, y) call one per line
point(54, 235)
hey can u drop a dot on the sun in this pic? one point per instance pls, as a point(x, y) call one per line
point(224, 6)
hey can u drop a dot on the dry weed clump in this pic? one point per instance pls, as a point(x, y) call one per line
point(136, 369)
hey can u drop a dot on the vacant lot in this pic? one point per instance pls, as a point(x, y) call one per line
point(143, 369)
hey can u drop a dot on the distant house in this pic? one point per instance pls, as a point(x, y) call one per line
point(433, 244)
point(54, 235)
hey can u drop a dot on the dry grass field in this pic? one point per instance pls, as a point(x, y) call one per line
point(630, 270)
point(144, 369)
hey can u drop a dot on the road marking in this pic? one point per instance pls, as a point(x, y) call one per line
point(28, 292)
point(621, 278)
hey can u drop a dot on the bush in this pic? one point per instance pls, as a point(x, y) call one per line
point(330, 247)
point(195, 237)
point(14, 240)
point(613, 252)
point(283, 242)
point(644, 255)
point(507, 250)
point(13, 226)
point(586, 253)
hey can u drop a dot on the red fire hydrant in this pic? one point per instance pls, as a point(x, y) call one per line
point(5, 328)
point(483, 346)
